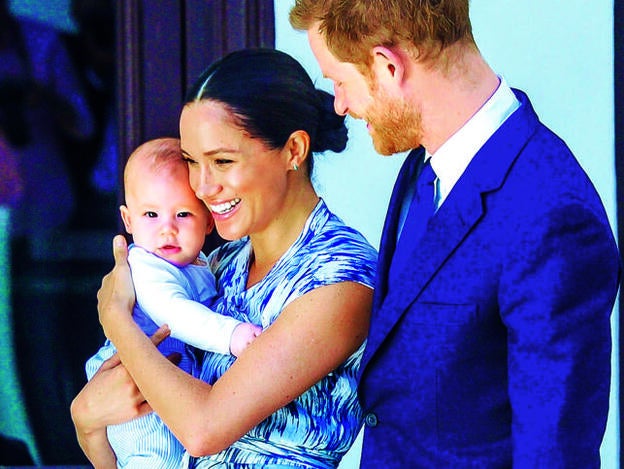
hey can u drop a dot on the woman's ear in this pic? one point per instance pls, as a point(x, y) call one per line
point(125, 216)
point(297, 148)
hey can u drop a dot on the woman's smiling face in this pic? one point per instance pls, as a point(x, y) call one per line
point(241, 180)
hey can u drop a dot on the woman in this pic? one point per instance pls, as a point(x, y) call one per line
point(248, 129)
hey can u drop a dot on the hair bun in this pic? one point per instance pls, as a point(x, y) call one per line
point(331, 133)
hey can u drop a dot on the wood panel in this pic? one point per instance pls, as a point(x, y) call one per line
point(164, 45)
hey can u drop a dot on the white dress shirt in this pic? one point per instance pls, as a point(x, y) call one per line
point(451, 160)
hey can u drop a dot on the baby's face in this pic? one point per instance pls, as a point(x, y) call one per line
point(164, 216)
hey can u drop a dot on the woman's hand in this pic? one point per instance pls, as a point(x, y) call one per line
point(116, 295)
point(109, 398)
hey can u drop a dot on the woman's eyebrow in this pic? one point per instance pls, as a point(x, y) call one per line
point(212, 152)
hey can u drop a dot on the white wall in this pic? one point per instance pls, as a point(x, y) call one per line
point(560, 53)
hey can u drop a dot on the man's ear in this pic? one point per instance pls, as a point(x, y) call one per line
point(388, 65)
point(125, 216)
point(297, 147)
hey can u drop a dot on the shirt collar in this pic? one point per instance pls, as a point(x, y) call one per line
point(452, 158)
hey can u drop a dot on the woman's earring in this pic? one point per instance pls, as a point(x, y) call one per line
point(295, 167)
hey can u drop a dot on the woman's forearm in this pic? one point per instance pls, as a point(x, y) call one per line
point(109, 398)
point(207, 419)
point(97, 449)
point(93, 442)
point(174, 393)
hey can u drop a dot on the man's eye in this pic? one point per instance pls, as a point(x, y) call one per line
point(222, 161)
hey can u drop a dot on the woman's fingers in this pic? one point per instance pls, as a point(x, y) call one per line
point(116, 294)
point(112, 362)
point(120, 250)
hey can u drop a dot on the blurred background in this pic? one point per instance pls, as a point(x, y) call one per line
point(59, 156)
point(69, 68)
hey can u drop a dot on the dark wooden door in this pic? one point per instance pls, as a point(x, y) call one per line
point(164, 46)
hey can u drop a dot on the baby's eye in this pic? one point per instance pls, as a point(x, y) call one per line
point(151, 214)
point(184, 214)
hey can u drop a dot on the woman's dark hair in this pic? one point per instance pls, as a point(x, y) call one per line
point(271, 96)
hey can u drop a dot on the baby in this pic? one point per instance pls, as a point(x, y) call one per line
point(173, 283)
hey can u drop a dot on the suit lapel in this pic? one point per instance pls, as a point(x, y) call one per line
point(446, 230)
point(457, 216)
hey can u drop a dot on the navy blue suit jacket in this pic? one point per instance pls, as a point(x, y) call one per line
point(493, 346)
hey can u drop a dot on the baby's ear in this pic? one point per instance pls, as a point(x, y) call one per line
point(210, 225)
point(125, 216)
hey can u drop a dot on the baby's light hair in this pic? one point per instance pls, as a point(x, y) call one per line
point(155, 155)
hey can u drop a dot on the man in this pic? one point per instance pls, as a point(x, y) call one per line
point(490, 340)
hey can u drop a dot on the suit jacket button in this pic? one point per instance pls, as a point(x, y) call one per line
point(370, 420)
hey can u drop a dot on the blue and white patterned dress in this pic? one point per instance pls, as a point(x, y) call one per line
point(317, 428)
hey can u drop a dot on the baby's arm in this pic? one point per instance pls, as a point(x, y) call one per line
point(244, 334)
point(162, 293)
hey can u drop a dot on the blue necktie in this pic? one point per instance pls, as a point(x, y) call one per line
point(420, 211)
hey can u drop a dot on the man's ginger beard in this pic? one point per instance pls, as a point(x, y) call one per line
point(395, 124)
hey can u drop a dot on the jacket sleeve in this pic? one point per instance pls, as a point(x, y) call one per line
point(556, 294)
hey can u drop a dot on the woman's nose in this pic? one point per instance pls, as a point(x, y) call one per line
point(206, 187)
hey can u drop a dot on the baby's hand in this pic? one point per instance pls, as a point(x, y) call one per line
point(244, 334)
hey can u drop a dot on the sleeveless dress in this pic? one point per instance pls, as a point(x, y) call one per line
point(317, 428)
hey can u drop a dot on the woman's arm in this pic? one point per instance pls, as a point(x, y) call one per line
point(109, 398)
point(92, 441)
point(311, 337)
point(97, 449)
